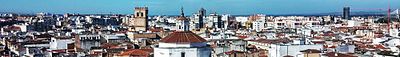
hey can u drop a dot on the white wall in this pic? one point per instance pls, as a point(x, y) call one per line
point(173, 45)
point(282, 50)
point(176, 52)
point(59, 43)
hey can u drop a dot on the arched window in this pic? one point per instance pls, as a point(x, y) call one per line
point(141, 14)
point(137, 14)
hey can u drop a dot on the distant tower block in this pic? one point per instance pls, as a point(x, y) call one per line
point(346, 13)
point(202, 14)
point(140, 19)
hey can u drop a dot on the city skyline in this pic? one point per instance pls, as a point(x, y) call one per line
point(171, 7)
point(200, 28)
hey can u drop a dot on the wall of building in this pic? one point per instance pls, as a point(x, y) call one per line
point(292, 50)
point(59, 43)
point(177, 52)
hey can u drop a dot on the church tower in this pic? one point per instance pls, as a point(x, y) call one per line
point(182, 43)
point(182, 23)
point(140, 19)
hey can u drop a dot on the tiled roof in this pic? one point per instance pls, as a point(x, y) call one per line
point(333, 54)
point(233, 51)
point(44, 36)
point(311, 51)
point(109, 45)
point(182, 37)
point(135, 52)
point(156, 29)
point(146, 35)
point(274, 41)
point(58, 51)
point(287, 56)
point(181, 18)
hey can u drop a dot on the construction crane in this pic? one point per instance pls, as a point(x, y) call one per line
point(380, 9)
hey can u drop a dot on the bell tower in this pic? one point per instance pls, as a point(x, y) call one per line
point(140, 18)
point(182, 23)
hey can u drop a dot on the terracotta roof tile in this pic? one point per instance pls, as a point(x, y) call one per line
point(146, 35)
point(182, 37)
point(156, 29)
point(135, 52)
point(181, 18)
point(287, 56)
point(380, 47)
point(333, 54)
point(109, 45)
point(311, 51)
point(273, 41)
point(233, 51)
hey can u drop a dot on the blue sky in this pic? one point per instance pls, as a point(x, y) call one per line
point(171, 7)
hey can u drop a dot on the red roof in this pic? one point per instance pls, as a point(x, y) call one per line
point(181, 18)
point(333, 54)
point(156, 29)
point(318, 42)
point(380, 47)
point(182, 37)
point(58, 51)
point(311, 51)
point(109, 45)
point(135, 52)
point(332, 47)
point(242, 37)
point(233, 51)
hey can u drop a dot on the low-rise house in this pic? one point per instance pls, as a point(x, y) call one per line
point(279, 50)
point(136, 53)
point(115, 38)
point(57, 43)
point(145, 39)
point(85, 42)
point(310, 53)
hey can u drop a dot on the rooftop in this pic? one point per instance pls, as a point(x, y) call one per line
point(182, 37)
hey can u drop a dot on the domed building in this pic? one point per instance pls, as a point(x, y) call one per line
point(182, 43)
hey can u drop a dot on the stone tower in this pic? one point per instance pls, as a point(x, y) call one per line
point(140, 19)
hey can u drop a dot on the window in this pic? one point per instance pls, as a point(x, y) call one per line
point(314, 23)
point(183, 54)
point(281, 23)
point(141, 14)
point(137, 14)
point(297, 23)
